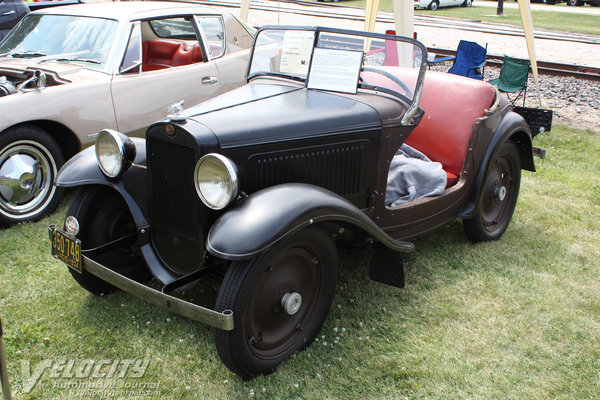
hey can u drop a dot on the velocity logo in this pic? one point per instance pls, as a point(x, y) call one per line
point(81, 369)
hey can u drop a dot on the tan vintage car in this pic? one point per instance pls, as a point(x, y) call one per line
point(68, 72)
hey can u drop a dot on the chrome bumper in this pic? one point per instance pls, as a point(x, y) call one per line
point(221, 320)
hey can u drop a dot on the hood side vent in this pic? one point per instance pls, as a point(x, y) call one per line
point(335, 168)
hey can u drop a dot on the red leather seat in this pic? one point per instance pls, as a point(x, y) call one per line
point(157, 54)
point(452, 104)
point(196, 54)
point(182, 56)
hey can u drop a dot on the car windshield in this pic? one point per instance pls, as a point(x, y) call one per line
point(341, 60)
point(75, 39)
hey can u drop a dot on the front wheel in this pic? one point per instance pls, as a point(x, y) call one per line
point(499, 196)
point(434, 5)
point(574, 3)
point(279, 302)
point(29, 161)
point(467, 3)
point(103, 217)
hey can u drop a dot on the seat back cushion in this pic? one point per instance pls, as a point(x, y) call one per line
point(182, 56)
point(196, 53)
point(452, 104)
point(159, 52)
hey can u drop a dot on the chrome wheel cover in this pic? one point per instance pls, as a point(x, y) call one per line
point(27, 171)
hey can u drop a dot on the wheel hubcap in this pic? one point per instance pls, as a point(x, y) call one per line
point(278, 312)
point(499, 187)
point(500, 193)
point(26, 172)
point(291, 302)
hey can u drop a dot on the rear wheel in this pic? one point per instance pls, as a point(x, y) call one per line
point(29, 161)
point(574, 3)
point(467, 3)
point(103, 217)
point(434, 5)
point(499, 196)
point(279, 302)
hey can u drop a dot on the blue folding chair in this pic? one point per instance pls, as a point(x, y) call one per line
point(469, 60)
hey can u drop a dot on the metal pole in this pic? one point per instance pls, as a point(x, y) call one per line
point(3, 370)
point(500, 10)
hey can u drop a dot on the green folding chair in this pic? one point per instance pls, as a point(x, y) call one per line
point(513, 78)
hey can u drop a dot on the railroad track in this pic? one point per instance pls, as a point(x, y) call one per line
point(334, 11)
point(544, 67)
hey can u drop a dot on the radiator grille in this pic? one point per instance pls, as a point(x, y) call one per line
point(176, 213)
point(173, 195)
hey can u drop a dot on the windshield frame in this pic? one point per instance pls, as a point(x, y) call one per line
point(407, 119)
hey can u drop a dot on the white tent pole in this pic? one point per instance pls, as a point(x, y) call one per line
point(404, 17)
point(244, 8)
point(528, 29)
point(371, 9)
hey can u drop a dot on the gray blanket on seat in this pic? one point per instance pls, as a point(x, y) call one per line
point(411, 176)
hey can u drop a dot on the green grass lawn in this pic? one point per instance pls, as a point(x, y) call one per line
point(554, 20)
point(518, 318)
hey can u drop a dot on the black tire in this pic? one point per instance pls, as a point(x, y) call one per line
point(434, 5)
point(264, 334)
point(595, 3)
point(574, 3)
point(29, 193)
point(499, 196)
point(467, 3)
point(103, 216)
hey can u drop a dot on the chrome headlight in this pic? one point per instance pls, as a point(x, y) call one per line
point(216, 180)
point(115, 152)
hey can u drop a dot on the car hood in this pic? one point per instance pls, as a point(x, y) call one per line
point(261, 112)
point(61, 72)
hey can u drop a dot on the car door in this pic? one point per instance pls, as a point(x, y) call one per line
point(153, 77)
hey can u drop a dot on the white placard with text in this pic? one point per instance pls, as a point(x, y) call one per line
point(334, 69)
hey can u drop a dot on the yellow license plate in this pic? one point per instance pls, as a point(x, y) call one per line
point(66, 249)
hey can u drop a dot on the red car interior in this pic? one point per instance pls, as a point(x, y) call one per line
point(159, 54)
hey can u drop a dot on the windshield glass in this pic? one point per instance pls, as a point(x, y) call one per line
point(341, 60)
point(83, 40)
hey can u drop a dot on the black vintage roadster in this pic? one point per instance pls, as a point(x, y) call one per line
point(324, 147)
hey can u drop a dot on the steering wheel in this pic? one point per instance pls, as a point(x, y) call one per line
point(392, 77)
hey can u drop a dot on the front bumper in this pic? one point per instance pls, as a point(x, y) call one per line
point(221, 320)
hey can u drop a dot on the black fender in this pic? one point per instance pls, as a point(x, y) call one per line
point(271, 214)
point(82, 169)
point(512, 127)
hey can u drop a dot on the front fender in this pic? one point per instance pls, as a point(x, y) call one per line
point(272, 214)
point(511, 127)
point(83, 169)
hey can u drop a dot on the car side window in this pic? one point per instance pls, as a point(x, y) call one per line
point(174, 28)
point(214, 30)
point(133, 54)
